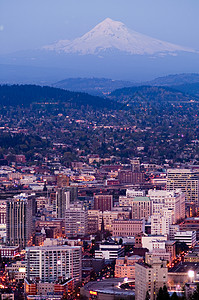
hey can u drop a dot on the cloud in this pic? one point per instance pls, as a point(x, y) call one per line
point(1, 27)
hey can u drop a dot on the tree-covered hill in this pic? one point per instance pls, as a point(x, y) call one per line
point(189, 88)
point(25, 95)
point(151, 94)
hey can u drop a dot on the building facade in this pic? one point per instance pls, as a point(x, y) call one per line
point(126, 228)
point(19, 221)
point(103, 202)
point(76, 221)
point(186, 180)
point(52, 263)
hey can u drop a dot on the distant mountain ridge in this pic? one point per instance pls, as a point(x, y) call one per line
point(186, 83)
point(93, 86)
point(151, 94)
point(110, 35)
point(25, 95)
point(174, 79)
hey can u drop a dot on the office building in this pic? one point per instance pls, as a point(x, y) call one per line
point(126, 228)
point(173, 200)
point(153, 241)
point(130, 177)
point(150, 277)
point(186, 180)
point(158, 253)
point(103, 202)
point(188, 237)
point(94, 221)
point(141, 208)
point(2, 212)
point(135, 165)
point(109, 251)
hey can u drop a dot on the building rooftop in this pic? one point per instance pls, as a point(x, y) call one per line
point(184, 267)
point(141, 199)
point(108, 286)
point(52, 247)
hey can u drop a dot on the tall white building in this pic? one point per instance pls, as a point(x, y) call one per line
point(150, 277)
point(174, 200)
point(159, 225)
point(50, 263)
point(153, 241)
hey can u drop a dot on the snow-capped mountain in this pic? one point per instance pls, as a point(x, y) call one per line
point(112, 35)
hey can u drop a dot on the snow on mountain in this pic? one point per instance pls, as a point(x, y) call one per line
point(113, 35)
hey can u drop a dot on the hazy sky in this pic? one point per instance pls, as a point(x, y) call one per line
point(29, 24)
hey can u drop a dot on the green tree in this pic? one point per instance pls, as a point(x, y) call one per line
point(120, 241)
point(147, 296)
point(195, 295)
point(160, 294)
point(163, 294)
point(174, 296)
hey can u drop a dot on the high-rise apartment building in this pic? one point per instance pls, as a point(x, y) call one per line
point(76, 221)
point(19, 221)
point(62, 202)
point(186, 180)
point(53, 263)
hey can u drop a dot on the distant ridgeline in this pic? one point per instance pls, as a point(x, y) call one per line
point(13, 95)
point(156, 94)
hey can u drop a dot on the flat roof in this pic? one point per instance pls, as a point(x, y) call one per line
point(52, 247)
point(109, 286)
point(184, 267)
point(142, 199)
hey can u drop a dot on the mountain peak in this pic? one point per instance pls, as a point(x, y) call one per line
point(110, 35)
point(109, 22)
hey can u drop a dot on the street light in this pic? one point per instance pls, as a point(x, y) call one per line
point(191, 275)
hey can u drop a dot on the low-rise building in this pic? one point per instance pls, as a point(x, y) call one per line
point(126, 228)
point(9, 251)
point(153, 241)
point(188, 237)
point(16, 270)
point(109, 251)
point(125, 266)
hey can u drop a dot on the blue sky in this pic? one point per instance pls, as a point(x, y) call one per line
point(29, 24)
